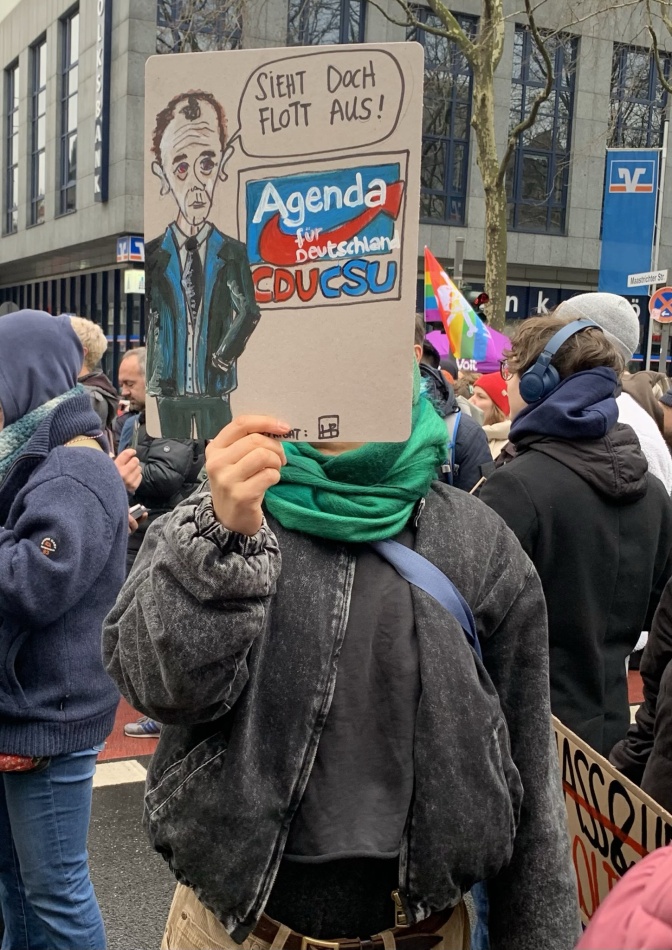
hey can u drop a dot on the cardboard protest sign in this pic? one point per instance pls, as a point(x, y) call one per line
point(612, 823)
point(281, 224)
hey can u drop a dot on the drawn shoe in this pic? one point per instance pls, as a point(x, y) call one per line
point(143, 728)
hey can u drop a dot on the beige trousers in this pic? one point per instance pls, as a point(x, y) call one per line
point(191, 926)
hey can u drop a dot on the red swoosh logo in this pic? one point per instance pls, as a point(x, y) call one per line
point(278, 247)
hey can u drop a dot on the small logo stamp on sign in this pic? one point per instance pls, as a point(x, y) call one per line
point(328, 427)
point(48, 546)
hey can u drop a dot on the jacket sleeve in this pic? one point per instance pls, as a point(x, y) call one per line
point(632, 753)
point(535, 894)
point(176, 642)
point(663, 563)
point(657, 778)
point(471, 451)
point(38, 587)
point(241, 289)
point(164, 470)
point(506, 494)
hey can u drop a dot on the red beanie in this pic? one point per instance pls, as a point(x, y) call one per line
point(495, 387)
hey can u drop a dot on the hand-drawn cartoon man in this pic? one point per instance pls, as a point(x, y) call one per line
point(202, 308)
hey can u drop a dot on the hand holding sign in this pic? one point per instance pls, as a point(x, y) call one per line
point(242, 463)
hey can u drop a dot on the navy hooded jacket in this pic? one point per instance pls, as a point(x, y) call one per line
point(63, 531)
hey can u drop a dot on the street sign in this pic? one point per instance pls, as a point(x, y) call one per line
point(134, 281)
point(122, 250)
point(649, 277)
point(130, 248)
point(136, 252)
point(660, 305)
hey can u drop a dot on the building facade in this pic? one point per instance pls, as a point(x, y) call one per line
point(71, 148)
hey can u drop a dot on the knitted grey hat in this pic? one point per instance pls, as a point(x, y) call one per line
point(613, 313)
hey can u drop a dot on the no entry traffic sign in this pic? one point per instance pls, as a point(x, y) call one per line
point(660, 305)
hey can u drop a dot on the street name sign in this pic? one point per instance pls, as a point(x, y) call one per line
point(648, 277)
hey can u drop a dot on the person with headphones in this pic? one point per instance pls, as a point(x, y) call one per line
point(595, 523)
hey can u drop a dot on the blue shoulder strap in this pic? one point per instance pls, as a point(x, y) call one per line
point(420, 572)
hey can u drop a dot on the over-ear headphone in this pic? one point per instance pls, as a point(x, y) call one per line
point(542, 378)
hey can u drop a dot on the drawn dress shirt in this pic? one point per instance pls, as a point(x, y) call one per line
point(194, 321)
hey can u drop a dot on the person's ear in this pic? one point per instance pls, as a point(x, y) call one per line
point(157, 169)
point(228, 152)
point(417, 349)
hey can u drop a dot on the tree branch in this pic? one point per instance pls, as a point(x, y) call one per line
point(663, 15)
point(411, 20)
point(575, 20)
point(452, 29)
point(664, 81)
point(542, 96)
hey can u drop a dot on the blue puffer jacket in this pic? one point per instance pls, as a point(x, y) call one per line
point(63, 533)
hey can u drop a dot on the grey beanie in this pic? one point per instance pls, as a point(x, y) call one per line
point(613, 313)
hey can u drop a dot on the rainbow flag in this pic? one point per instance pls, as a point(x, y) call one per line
point(466, 332)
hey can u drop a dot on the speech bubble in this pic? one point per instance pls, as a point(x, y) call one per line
point(298, 105)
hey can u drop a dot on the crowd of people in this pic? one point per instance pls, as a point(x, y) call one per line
point(350, 652)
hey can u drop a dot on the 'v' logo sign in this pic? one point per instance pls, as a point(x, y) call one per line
point(631, 178)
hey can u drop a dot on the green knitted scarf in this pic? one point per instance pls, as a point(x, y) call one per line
point(14, 437)
point(367, 494)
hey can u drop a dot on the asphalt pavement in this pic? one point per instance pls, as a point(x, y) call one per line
point(133, 883)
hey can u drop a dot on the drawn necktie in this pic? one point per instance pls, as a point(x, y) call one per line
point(192, 280)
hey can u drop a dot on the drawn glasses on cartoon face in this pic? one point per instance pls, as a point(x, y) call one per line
point(190, 140)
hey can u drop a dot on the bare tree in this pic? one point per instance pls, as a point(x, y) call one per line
point(659, 14)
point(483, 52)
point(196, 26)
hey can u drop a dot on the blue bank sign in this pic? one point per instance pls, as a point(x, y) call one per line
point(628, 216)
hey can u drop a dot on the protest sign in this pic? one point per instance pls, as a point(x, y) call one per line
point(281, 223)
point(612, 823)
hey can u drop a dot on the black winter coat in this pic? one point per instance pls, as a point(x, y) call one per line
point(170, 470)
point(598, 528)
point(645, 755)
point(471, 445)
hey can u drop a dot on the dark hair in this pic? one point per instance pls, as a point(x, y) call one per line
point(191, 111)
point(420, 329)
point(430, 354)
point(585, 350)
point(449, 363)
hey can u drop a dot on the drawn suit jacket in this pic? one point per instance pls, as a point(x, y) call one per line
point(229, 315)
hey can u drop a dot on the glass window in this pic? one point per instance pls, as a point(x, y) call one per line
point(538, 175)
point(38, 109)
point(11, 209)
point(67, 159)
point(198, 26)
point(314, 22)
point(446, 122)
point(638, 99)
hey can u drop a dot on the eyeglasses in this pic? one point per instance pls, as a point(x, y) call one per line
point(504, 370)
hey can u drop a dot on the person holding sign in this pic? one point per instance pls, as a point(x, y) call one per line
point(202, 307)
point(337, 762)
point(595, 523)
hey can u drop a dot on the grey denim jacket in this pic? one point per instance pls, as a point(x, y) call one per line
point(233, 643)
